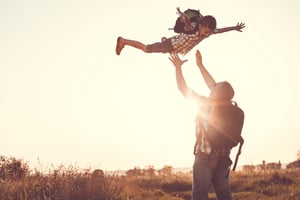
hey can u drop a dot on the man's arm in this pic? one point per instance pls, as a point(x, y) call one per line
point(238, 27)
point(209, 80)
point(181, 84)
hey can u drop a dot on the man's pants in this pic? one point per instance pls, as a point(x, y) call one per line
point(211, 169)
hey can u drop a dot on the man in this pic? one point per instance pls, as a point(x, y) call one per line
point(212, 162)
point(182, 43)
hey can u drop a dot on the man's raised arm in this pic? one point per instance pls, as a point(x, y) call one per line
point(209, 80)
point(181, 84)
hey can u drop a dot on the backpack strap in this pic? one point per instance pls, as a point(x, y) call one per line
point(240, 145)
point(238, 153)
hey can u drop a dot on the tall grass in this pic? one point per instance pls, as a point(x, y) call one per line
point(280, 184)
point(18, 182)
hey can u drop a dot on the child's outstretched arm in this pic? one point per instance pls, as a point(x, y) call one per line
point(238, 27)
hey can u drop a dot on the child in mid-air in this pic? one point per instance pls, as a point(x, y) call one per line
point(184, 42)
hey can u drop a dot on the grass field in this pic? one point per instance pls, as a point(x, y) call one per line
point(18, 182)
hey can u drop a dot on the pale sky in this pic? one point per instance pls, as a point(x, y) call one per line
point(65, 97)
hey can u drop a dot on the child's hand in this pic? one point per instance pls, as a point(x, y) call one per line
point(178, 11)
point(240, 26)
point(198, 58)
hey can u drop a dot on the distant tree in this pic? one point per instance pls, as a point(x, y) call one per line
point(273, 166)
point(136, 171)
point(150, 171)
point(248, 168)
point(264, 165)
point(165, 171)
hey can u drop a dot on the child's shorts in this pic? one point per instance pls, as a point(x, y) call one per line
point(160, 47)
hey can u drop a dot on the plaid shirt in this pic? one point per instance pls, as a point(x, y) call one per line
point(202, 144)
point(183, 43)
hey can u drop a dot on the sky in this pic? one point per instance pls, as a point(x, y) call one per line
point(67, 98)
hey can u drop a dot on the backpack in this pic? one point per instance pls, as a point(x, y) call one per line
point(195, 17)
point(225, 127)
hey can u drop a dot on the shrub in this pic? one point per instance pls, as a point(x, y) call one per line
point(12, 169)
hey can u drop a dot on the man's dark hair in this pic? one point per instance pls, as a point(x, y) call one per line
point(209, 21)
point(222, 91)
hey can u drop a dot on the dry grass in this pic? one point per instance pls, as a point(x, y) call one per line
point(275, 184)
point(17, 182)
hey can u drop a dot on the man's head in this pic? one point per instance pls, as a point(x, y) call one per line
point(207, 26)
point(222, 91)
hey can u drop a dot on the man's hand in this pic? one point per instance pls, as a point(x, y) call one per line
point(209, 80)
point(177, 62)
point(198, 58)
point(240, 26)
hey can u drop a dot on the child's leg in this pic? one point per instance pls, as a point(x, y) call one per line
point(122, 42)
point(158, 47)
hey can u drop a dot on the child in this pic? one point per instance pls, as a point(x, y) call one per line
point(182, 43)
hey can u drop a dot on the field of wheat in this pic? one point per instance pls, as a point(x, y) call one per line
point(18, 182)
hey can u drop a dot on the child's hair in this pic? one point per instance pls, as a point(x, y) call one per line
point(209, 21)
